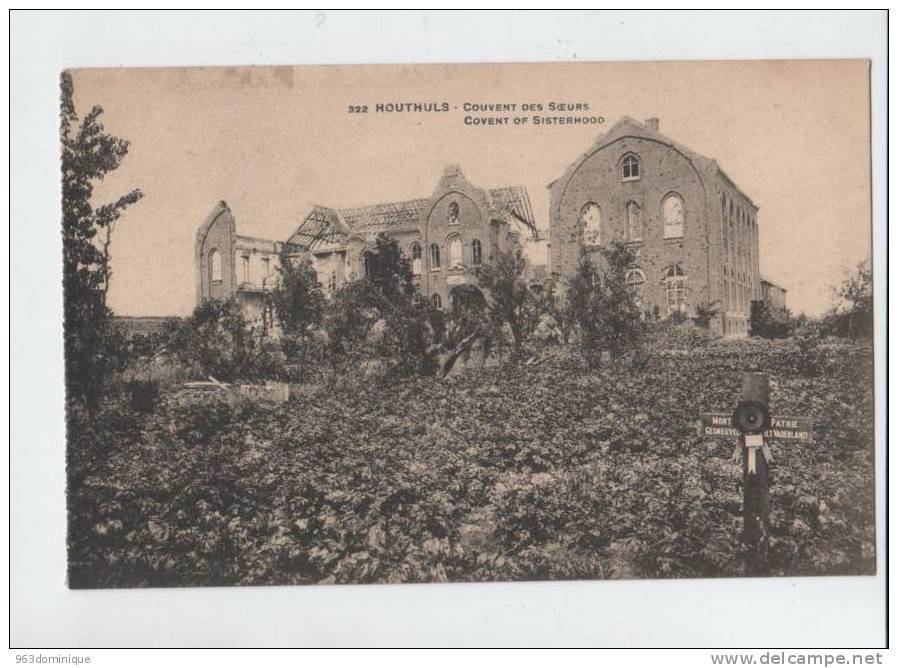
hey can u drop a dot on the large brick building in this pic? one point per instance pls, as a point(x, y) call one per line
point(447, 236)
point(693, 231)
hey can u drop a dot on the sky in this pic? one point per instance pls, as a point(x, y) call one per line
point(270, 141)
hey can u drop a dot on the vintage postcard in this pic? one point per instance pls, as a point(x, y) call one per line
point(453, 323)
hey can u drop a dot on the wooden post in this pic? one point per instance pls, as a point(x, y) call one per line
point(755, 487)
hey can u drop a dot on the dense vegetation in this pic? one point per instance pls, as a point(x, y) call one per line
point(548, 470)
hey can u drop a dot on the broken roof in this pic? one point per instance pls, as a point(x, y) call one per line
point(325, 226)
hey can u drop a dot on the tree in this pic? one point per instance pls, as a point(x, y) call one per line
point(382, 317)
point(510, 304)
point(88, 155)
point(603, 306)
point(389, 270)
point(215, 340)
point(297, 299)
point(852, 314)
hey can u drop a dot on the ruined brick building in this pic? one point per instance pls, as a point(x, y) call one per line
point(693, 231)
point(446, 236)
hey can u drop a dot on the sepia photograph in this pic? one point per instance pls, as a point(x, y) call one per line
point(467, 323)
point(448, 329)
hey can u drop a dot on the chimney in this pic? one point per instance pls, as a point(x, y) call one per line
point(651, 124)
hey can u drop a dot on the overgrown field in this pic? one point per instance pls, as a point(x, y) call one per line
point(546, 471)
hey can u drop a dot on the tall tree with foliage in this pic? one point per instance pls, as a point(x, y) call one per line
point(389, 270)
point(297, 298)
point(603, 306)
point(510, 303)
point(88, 155)
point(382, 316)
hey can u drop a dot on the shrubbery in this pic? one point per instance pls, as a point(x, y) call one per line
point(217, 341)
point(510, 473)
point(668, 336)
point(769, 322)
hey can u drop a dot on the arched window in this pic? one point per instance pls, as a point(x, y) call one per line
point(591, 224)
point(476, 252)
point(434, 256)
point(630, 167)
point(332, 282)
point(672, 213)
point(214, 266)
point(436, 300)
point(456, 260)
point(634, 221)
point(635, 283)
point(416, 258)
point(675, 286)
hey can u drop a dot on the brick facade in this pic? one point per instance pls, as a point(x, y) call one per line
point(693, 231)
point(457, 228)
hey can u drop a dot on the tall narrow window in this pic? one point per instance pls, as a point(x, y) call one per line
point(630, 168)
point(591, 224)
point(672, 213)
point(723, 226)
point(675, 286)
point(332, 282)
point(366, 265)
point(246, 273)
point(266, 267)
point(416, 258)
point(476, 252)
point(434, 256)
point(455, 253)
point(214, 266)
point(635, 284)
point(453, 213)
point(436, 300)
point(732, 229)
point(634, 221)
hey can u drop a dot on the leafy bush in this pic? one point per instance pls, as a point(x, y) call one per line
point(811, 357)
point(667, 335)
point(768, 321)
point(217, 341)
point(705, 313)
